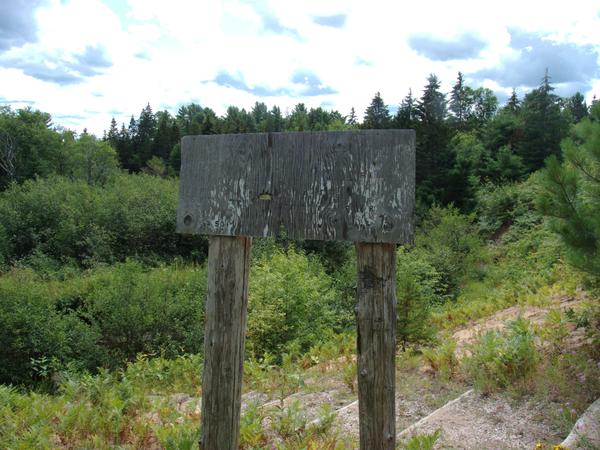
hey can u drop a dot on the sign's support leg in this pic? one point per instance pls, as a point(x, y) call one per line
point(224, 339)
point(376, 344)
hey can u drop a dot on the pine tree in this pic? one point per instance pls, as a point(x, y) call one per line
point(275, 121)
point(163, 140)
point(513, 105)
point(351, 119)
point(571, 193)
point(113, 134)
point(432, 105)
point(377, 115)
point(190, 119)
point(434, 159)
point(406, 116)
point(126, 147)
point(544, 126)
point(578, 107)
point(259, 114)
point(461, 100)
point(298, 119)
point(143, 140)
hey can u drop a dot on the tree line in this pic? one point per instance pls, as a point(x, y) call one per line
point(464, 137)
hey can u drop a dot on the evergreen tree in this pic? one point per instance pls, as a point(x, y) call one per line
point(298, 119)
point(544, 126)
point(259, 115)
point(113, 134)
point(484, 106)
point(577, 107)
point(434, 159)
point(351, 119)
point(163, 140)
point(513, 105)
point(413, 324)
point(275, 121)
point(377, 115)
point(126, 148)
point(210, 122)
point(407, 113)
point(190, 119)
point(318, 119)
point(461, 100)
point(571, 193)
point(143, 140)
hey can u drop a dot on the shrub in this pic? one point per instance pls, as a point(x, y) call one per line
point(442, 359)
point(290, 303)
point(412, 311)
point(448, 241)
point(103, 318)
point(505, 207)
point(499, 360)
point(30, 327)
point(71, 221)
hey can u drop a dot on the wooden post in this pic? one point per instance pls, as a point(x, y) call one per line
point(376, 344)
point(224, 338)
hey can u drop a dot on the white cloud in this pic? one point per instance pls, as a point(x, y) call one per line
point(168, 53)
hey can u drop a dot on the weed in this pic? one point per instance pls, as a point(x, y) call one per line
point(349, 374)
point(442, 359)
point(421, 441)
point(499, 360)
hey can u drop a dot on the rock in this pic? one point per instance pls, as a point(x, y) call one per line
point(586, 432)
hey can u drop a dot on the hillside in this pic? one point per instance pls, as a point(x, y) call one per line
point(307, 399)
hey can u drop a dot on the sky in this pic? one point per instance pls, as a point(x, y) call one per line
point(86, 61)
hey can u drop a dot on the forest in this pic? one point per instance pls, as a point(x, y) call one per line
point(101, 302)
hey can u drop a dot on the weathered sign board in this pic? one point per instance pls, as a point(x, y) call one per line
point(350, 185)
point(346, 185)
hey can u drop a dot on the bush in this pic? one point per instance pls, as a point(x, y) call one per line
point(101, 319)
point(449, 243)
point(505, 207)
point(290, 303)
point(499, 360)
point(412, 311)
point(443, 360)
point(71, 221)
point(30, 327)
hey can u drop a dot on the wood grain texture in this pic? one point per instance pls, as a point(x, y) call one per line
point(224, 338)
point(343, 185)
point(376, 345)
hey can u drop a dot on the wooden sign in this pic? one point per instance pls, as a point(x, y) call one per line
point(346, 185)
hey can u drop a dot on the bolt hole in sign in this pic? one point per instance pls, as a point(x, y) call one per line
point(332, 185)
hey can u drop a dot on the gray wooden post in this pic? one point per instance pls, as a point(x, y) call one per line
point(376, 344)
point(224, 338)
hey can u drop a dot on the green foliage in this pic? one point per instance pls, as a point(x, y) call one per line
point(98, 320)
point(37, 147)
point(506, 208)
point(447, 240)
point(421, 441)
point(72, 221)
point(252, 435)
point(377, 114)
point(290, 303)
point(349, 373)
point(544, 125)
point(412, 310)
point(570, 193)
point(499, 360)
point(291, 421)
point(442, 359)
point(89, 159)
